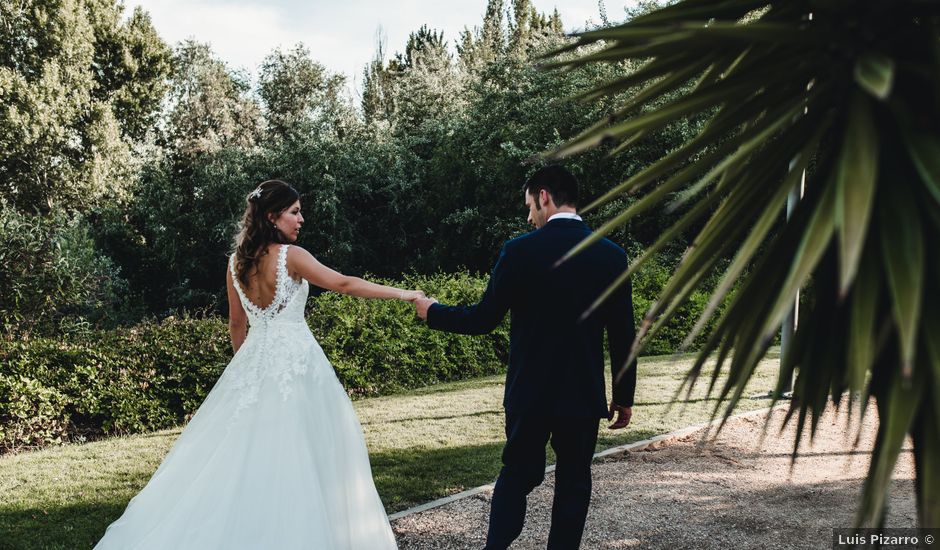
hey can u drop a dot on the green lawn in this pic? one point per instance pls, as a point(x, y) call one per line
point(424, 444)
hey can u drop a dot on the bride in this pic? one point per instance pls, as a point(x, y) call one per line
point(275, 456)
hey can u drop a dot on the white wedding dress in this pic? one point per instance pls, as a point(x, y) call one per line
point(274, 458)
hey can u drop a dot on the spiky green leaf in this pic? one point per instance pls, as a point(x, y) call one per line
point(903, 252)
point(874, 72)
point(896, 414)
point(863, 320)
point(925, 152)
point(856, 175)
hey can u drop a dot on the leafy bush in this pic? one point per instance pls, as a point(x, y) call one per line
point(380, 346)
point(31, 413)
point(648, 282)
point(156, 374)
point(51, 273)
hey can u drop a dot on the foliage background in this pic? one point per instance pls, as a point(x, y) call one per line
point(124, 166)
point(146, 152)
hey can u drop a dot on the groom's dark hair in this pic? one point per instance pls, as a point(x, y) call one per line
point(558, 181)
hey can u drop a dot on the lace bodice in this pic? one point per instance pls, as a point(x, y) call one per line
point(279, 345)
point(289, 295)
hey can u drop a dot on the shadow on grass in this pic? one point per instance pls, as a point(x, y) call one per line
point(408, 477)
point(404, 478)
point(67, 527)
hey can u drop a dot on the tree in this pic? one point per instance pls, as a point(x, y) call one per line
point(171, 235)
point(520, 25)
point(849, 91)
point(300, 96)
point(68, 82)
point(528, 28)
point(133, 66)
point(479, 47)
point(424, 47)
point(492, 35)
point(378, 101)
point(210, 108)
point(418, 85)
point(426, 84)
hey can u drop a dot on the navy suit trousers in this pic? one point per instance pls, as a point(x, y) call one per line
point(573, 440)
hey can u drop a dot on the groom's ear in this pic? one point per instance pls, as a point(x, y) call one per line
point(545, 198)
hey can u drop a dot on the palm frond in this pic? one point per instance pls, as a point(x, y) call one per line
point(849, 93)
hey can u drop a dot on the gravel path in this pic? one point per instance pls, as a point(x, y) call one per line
point(727, 494)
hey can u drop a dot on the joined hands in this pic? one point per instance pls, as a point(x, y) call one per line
point(420, 300)
point(422, 305)
point(412, 295)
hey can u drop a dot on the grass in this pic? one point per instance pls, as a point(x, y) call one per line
point(423, 444)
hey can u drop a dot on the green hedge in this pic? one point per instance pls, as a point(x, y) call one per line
point(379, 346)
point(648, 282)
point(155, 375)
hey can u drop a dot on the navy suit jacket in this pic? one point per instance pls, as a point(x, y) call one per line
point(556, 360)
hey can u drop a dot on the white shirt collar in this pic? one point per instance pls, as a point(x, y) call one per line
point(564, 216)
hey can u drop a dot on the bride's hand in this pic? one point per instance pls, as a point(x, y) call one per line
point(413, 295)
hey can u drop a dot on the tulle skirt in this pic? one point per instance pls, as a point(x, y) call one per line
point(274, 458)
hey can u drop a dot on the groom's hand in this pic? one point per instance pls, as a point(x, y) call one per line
point(422, 305)
point(623, 416)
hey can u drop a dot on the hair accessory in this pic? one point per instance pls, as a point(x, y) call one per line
point(255, 194)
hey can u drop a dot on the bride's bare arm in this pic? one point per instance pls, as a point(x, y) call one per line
point(303, 263)
point(237, 318)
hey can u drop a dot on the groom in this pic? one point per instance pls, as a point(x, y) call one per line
point(555, 382)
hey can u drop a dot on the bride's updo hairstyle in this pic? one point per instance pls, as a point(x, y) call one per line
point(257, 231)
